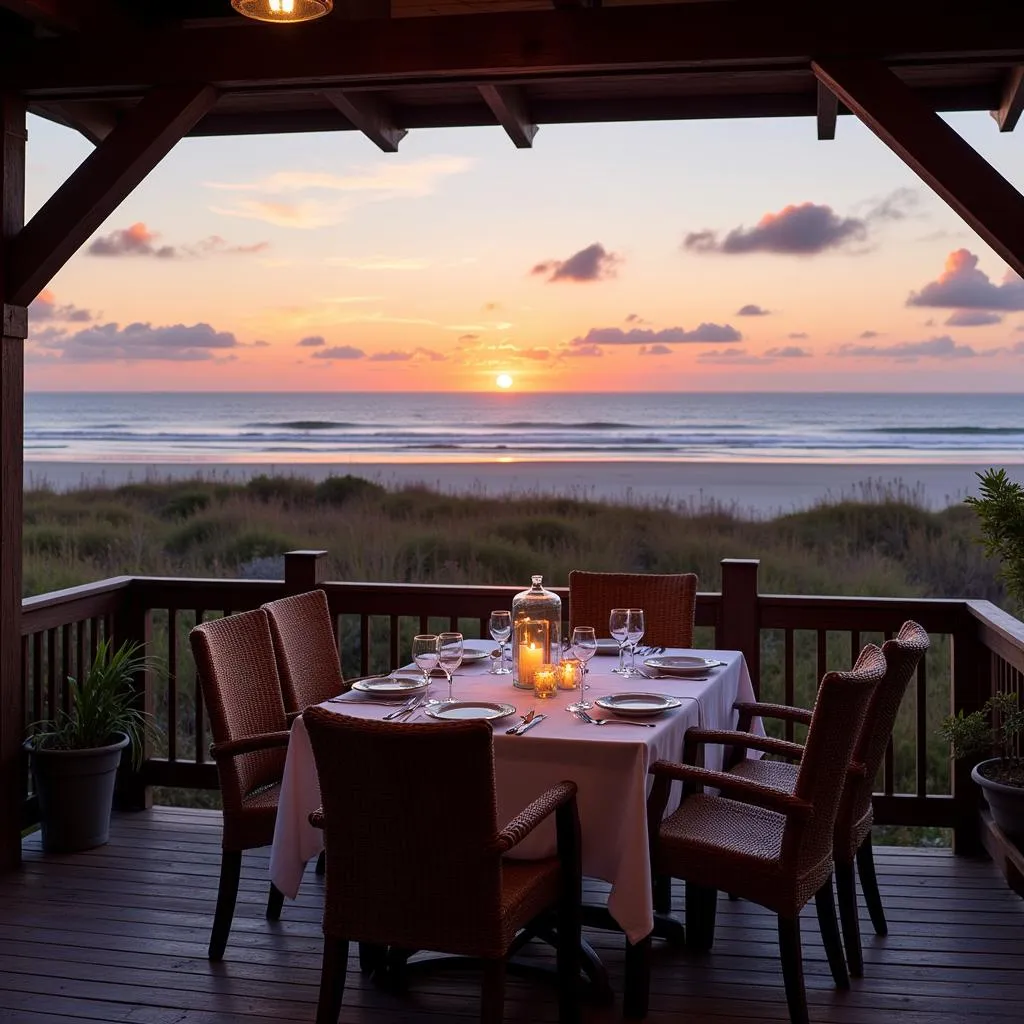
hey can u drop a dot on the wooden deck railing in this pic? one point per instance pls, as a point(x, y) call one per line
point(788, 641)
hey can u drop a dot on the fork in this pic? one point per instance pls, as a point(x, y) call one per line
point(584, 717)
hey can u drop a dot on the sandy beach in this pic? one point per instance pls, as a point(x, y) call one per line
point(749, 489)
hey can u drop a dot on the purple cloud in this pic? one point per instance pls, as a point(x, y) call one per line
point(943, 347)
point(313, 341)
point(173, 343)
point(44, 307)
point(973, 318)
point(961, 285)
point(139, 240)
point(581, 351)
point(340, 352)
point(798, 335)
point(787, 352)
point(594, 263)
point(655, 350)
point(705, 333)
point(752, 309)
point(868, 335)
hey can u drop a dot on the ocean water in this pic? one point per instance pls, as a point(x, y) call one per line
point(319, 427)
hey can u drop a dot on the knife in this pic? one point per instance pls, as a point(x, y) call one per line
point(527, 726)
point(405, 708)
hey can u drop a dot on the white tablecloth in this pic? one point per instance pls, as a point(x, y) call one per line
point(608, 764)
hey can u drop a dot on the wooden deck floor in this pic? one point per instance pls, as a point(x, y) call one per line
point(120, 934)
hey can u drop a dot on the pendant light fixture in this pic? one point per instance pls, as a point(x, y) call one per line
point(289, 11)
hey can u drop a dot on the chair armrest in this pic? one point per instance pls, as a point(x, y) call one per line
point(731, 785)
point(316, 818)
point(249, 744)
point(292, 715)
point(733, 737)
point(749, 710)
point(532, 815)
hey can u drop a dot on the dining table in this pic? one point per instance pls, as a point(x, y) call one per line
point(608, 763)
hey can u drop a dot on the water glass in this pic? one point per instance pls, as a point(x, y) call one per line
point(449, 656)
point(424, 654)
point(500, 627)
point(634, 634)
point(618, 627)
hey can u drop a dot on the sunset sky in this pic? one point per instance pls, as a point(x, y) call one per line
point(717, 255)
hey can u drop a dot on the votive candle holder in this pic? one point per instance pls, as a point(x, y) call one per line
point(570, 674)
point(545, 681)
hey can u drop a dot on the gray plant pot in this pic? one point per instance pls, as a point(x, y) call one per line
point(76, 792)
point(1005, 802)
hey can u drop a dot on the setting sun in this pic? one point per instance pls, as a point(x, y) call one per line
point(504, 381)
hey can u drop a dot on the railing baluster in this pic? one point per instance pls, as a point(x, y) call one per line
point(822, 655)
point(51, 672)
point(364, 644)
point(94, 638)
point(79, 649)
point(394, 640)
point(922, 727)
point(200, 723)
point(65, 666)
point(37, 677)
point(888, 772)
point(172, 684)
point(25, 674)
point(789, 676)
point(424, 624)
point(855, 646)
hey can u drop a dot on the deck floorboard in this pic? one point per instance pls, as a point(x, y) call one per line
point(119, 934)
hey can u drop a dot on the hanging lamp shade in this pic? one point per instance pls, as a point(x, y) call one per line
point(283, 10)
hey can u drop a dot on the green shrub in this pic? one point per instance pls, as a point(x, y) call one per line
point(539, 534)
point(256, 543)
point(289, 490)
point(186, 504)
point(338, 490)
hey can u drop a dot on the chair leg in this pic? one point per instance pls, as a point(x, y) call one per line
point(567, 950)
point(825, 904)
point(492, 998)
point(332, 980)
point(371, 957)
point(793, 968)
point(846, 886)
point(275, 901)
point(637, 987)
point(321, 863)
point(869, 886)
point(701, 907)
point(227, 893)
point(663, 894)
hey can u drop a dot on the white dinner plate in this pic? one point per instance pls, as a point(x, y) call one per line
point(402, 684)
point(638, 705)
point(605, 645)
point(680, 664)
point(461, 710)
point(477, 650)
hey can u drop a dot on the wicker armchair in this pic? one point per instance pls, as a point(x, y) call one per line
point(235, 661)
point(852, 839)
point(761, 844)
point(415, 854)
point(306, 650)
point(669, 603)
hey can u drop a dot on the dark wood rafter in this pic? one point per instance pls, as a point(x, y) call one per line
point(712, 38)
point(508, 105)
point(370, 114)
point(828, 112)
point(105, 178)
point(1010, 109)
point(62, 15)
point(358, 9)
point(12, 361)
point(989, 204)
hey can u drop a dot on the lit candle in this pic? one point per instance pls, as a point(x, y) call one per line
point(545, 681)
point(531, 657)
point(569, 674)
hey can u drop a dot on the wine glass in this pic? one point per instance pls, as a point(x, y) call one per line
point(449, 656)
point(618, 626)
point(500, 627)
point(424, 653)
point(584, 646)
point(634, 634)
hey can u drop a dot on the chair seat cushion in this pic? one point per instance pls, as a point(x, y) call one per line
point(528, 887)
point(734, 847)
point(252, 826)
point(777, 774)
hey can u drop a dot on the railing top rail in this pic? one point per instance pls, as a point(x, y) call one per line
point(45, 611)
point(865, 614)
point(1000, 631)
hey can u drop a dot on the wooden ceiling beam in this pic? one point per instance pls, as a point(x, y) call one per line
point(61, 15)
point(98, 186)
point(525, 45)
point(989, 204)
point(828, 112)
point(508, 105)
point(1010, 109)
point(371, 115)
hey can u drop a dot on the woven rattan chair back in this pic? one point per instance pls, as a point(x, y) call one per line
point(838, 715)
point(901, 657)
point(410, 826)
point(306, 651)
point(669, 603)
point(242, 692)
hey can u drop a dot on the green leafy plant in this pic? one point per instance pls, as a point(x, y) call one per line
point(101, 705)
point(991, 731)
point(1000, 510)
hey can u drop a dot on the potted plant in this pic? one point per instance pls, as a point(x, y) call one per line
point(1001, 777)
point(75, 755)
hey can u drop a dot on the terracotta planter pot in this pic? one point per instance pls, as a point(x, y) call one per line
point(76, 792)
point(1005, 802)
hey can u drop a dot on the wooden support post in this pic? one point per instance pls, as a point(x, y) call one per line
point(1010, 109)
point(739, 622)
point(828, 112)
point(12, 383)
point(371, 116)
point(972, 686)
point(133, 623)
point(105, 178)
point(932, 150)
point(509, 108)
point(303, 570)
